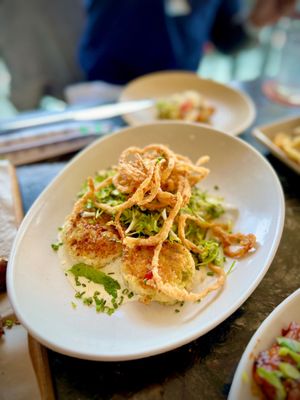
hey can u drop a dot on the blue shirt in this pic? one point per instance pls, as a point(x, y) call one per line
point(124, 39)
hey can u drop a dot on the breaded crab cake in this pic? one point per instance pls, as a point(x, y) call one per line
point(91, 241)
point(176, 266)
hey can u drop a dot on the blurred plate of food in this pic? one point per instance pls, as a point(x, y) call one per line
point(282, 138)
point(188, 97)
point(221, 263)
point(270, 365)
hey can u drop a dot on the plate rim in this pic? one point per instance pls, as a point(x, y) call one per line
point(176, 343)
point(241, 128)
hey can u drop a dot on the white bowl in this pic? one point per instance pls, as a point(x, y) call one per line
point(263, 339)
point(234, 110)
point(41, 295)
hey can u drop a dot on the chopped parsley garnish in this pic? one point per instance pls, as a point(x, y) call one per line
point(79, 295)
point(88, 301)
point(77, 281)
point(56, 246)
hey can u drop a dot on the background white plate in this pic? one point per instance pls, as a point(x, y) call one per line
point(234, 112)
point(41, 295)
point(263, 339)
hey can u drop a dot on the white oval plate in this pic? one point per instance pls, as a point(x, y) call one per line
point(41, 295)
point(234, 110)
point(264, 338)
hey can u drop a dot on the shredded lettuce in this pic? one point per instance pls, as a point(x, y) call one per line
point(203, 205)
point(98, 178)
point(211, 252)
point(141, 223)
point(110, 195)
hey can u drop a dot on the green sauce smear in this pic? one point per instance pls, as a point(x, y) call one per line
point(110, 285)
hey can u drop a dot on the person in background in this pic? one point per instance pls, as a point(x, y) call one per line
point(124, 39)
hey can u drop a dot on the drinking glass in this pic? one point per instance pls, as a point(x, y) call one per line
point(285, 87)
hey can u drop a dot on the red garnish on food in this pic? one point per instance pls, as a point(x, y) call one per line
point(186, 106)
point(148, 275)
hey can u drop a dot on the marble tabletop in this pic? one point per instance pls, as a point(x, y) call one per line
point(204, 368)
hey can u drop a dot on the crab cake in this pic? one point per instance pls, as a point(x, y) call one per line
point(176, 266)
point(91, 240)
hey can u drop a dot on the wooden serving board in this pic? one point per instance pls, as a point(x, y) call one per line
point(38, 352)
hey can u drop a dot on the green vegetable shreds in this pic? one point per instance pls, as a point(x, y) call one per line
point(284, 351)
point(100, 177)
point(289, 371)
point(291, 344)
point(273, 378)
point(204, 206)
point(110, 285)
point(141, 223)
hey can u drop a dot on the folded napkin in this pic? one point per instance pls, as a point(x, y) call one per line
point(17, 377)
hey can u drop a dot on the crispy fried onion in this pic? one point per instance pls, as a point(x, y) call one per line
point(243, 243)
point(156, 178)
point(182, 294)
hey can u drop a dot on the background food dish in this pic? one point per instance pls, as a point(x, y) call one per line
point(234, 110)
point(41, 295)
point(264, 337)
point(266, 134)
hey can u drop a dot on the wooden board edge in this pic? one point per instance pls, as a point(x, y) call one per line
point(41, 367)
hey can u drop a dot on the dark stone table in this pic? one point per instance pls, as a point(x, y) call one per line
point(204, 368)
